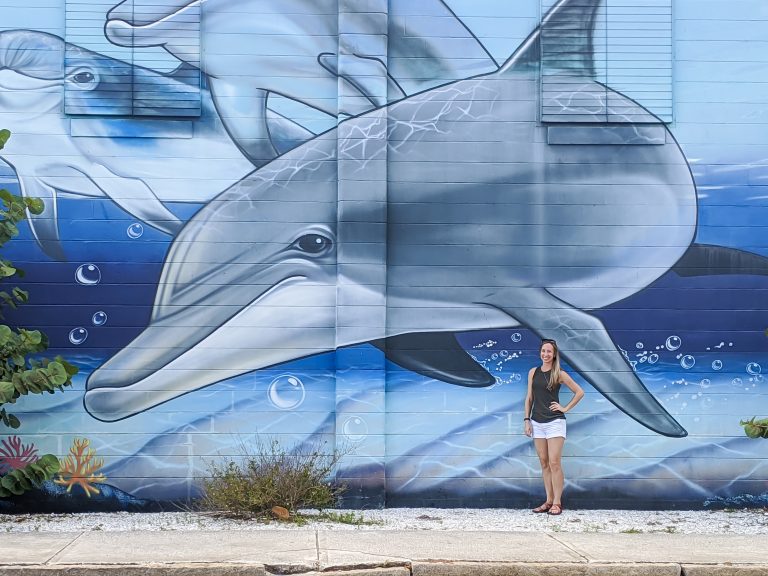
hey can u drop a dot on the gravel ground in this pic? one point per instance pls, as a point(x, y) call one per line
point(605, 521)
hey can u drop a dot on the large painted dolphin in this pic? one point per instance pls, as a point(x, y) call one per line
point(452, 210)
point(139, 163)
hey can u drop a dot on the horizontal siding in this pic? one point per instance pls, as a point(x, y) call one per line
point(490, 196)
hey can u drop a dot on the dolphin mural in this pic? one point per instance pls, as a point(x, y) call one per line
point(251, 281)
point(257, 277)
point(49, 157)
point(236, 128)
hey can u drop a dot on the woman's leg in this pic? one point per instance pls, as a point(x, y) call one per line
point(555, 453)
point(542, 449)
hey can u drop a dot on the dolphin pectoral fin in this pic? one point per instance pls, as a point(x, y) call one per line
point(365, 75)
point(44, 226)
point(242, 109)
point(707, 260)
point(284, 133)
point(585, 344)
point(436, 355)
point(136, 198)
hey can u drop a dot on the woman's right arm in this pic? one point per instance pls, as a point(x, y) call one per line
point(528, 401)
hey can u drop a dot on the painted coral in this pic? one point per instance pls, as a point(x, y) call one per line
point(15, 455)
point(80, 466)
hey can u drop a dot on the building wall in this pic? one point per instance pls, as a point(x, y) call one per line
point(348, 225)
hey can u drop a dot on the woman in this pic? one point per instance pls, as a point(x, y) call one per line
point(545, 421)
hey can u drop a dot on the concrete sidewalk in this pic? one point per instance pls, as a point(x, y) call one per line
point(380, 553)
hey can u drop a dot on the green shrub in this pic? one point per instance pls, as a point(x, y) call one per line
point(22, 371)
point(755, 428)
point(268, 475)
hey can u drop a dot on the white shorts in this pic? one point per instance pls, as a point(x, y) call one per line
point(549, 429)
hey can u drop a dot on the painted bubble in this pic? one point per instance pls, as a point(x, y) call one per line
point(88, 274)
point(754, 368)
point(653, 358)
point(639, 345)
point(494, 356)
point(99, 318)
point(717, 365)
point(516, 377)
point(516, 337)
point(673, 343)
point(78, 336)
point(135, 230)
point(687, 361)
point(736, 381)
point(355, 429)
point(705, 383)
point(286, 392)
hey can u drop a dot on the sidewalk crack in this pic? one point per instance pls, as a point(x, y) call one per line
point(67, 545)
point(571, 548)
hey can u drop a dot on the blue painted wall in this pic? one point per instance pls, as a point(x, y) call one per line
point(349, 224)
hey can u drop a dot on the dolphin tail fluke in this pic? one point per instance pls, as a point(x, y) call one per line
point(706, 260)
point(585, 345)
point(436, 355)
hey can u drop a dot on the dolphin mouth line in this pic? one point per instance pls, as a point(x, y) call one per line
point(255, 301)
point(15, 82)
point(277, 285)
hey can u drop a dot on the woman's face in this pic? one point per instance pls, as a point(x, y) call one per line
point(547, 353)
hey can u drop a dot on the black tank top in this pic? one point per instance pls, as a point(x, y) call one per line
point(542, 398)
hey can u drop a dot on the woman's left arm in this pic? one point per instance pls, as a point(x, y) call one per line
point(578, 394)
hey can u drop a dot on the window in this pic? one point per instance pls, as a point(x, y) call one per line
point(104, 79)
point(607, 64)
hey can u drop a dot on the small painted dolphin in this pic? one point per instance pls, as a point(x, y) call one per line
point(448, 211)
point(139, 163)
point(339, 70)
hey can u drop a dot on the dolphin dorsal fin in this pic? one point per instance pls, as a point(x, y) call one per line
point(569, 28)
point(436, 355)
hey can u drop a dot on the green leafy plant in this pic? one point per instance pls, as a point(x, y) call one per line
point(21, 372)
point(755, 428)
point(18, 481)
point(269, 475)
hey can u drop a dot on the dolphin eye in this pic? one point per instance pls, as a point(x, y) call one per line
point(313, 244)
point(83, 78)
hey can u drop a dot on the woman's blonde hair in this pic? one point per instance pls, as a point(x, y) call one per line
point(554, 374)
